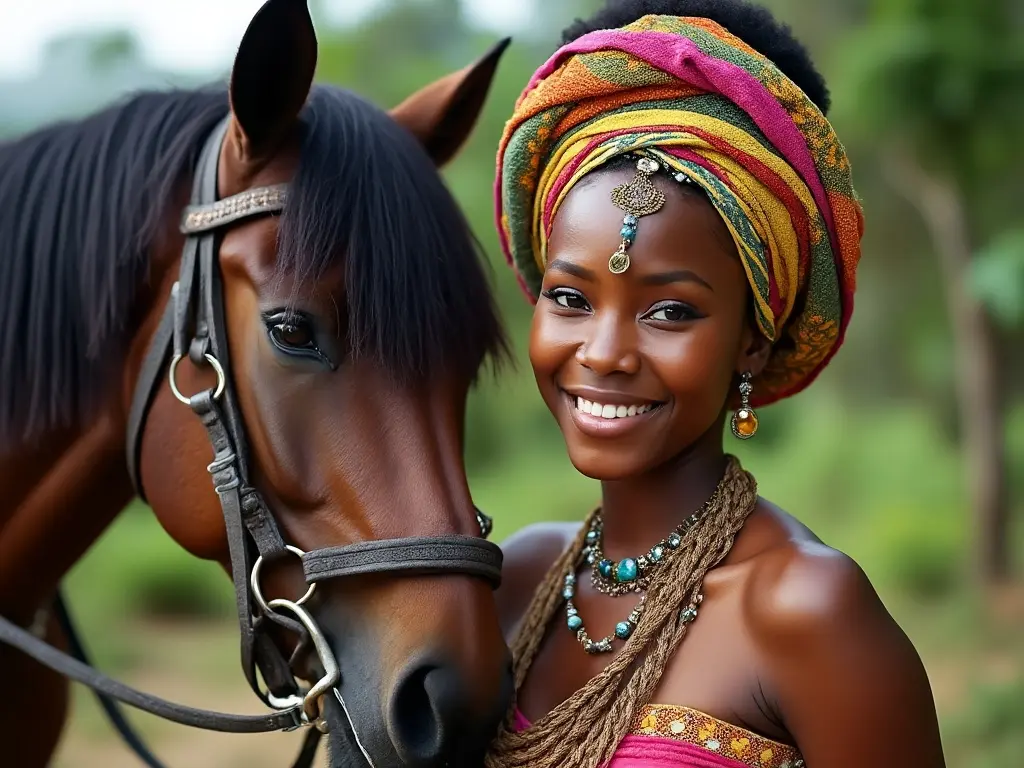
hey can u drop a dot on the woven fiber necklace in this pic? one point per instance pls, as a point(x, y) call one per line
point(629, 575)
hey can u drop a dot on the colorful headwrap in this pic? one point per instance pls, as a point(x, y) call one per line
point(700, 101)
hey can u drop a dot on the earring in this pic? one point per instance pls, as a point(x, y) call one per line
point(744, 421)
point(639, 197)
point(485, 522)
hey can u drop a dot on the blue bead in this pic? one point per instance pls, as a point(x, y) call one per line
point(574, 623)
point(628, 232)
point(605, 568)
point(626, 571)
point(657, 553)
point(591, 537)
point(623, 630)
point(674, 541)
point(568, 593)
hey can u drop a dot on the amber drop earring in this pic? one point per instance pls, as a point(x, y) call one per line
point(744, 421)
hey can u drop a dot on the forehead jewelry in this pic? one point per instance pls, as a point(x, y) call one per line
point(639, 197)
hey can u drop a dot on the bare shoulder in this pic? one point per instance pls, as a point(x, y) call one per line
point(794, 583)
point(847, 679)
point(800, 584)
point(528, 554)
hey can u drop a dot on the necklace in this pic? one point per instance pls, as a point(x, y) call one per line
point(634, 574)
point(623, 630)
point(628, 575)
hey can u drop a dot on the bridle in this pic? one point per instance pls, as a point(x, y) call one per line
point(193, 324)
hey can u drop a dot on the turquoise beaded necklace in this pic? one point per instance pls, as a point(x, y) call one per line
point(629, 575)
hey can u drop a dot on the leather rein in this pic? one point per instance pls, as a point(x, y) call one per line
point(193, 324)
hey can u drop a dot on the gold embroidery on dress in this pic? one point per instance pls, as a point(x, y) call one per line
point(701, 730)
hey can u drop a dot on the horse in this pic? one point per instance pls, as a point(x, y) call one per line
point(269, 276)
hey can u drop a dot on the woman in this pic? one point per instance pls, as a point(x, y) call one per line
point(681, 211)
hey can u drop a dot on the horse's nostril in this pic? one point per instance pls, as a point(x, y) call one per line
point(427, 711)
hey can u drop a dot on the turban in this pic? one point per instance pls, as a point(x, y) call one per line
point(703, 103)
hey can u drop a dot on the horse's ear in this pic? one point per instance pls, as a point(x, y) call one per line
point(272, 75)
point(442, 114)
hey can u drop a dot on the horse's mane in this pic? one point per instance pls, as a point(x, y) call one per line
point(83, 202)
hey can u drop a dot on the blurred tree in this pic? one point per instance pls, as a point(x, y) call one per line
point(939, 84)
point(79, 72)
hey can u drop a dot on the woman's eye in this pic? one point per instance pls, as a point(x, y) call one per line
point(567, 299)
point(671, 313)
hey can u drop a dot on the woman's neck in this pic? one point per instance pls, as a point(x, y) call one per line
point(639, 511)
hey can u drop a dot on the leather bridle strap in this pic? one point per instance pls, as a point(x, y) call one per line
point(433, 554)
point(59, 661)
point(197, 311)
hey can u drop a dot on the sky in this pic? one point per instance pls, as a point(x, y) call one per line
point(170, 33)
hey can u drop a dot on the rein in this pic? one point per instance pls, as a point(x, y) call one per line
point(193, 324)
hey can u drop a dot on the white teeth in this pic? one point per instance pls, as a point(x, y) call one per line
point(610, 411)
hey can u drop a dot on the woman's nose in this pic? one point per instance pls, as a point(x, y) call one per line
point(610, 348)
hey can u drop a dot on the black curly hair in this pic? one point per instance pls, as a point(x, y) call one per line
point(753, 24)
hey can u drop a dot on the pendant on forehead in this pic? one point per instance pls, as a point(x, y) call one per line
point(638, 197)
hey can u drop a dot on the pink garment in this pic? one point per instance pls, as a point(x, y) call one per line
point(655, 752)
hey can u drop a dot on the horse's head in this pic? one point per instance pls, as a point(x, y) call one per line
point(354, 324)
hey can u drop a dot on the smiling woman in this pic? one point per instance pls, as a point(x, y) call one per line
point(682, 213)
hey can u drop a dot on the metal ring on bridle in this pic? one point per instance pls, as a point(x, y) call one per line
point(254, 581)
point(214, 363)
point(332, 673)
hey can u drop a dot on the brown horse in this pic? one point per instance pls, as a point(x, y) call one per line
point(355, 313)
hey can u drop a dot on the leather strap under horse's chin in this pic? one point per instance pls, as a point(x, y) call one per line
point(193, 324)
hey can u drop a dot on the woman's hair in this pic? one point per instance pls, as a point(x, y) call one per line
point(753, 24)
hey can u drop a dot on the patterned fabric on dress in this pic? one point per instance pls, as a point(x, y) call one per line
point(666, 736)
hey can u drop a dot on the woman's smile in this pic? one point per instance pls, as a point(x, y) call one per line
point(609, 414)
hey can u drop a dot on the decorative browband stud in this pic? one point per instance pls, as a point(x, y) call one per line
point(252, 202)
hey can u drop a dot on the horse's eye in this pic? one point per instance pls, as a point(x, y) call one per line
point(293, 333)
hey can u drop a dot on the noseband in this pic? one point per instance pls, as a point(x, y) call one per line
point(194, 325)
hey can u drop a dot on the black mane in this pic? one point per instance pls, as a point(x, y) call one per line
point(83, 202)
